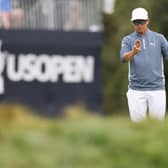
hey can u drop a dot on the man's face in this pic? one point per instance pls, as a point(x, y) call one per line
point(141, 26)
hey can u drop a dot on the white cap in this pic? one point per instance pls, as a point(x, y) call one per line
point(139, 13)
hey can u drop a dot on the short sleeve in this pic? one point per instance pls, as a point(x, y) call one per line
point(125, 47)
point(164, 46)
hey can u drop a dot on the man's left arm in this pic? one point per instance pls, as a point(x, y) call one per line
point(164, 46)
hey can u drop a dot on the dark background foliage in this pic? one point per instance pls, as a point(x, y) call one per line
point(117, 25)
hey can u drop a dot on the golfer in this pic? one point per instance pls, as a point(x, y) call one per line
point(144, 51)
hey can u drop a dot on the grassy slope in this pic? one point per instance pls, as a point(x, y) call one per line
point(81, 142)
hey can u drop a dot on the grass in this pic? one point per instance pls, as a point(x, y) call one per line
point(80, 140)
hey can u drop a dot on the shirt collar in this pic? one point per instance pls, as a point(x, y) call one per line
point(146, 33)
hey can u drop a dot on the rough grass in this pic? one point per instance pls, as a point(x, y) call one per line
point(80, 140)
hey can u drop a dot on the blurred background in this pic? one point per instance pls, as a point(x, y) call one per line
point(60, 69)
point(52, 14)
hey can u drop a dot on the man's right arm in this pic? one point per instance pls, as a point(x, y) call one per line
point(126, 53)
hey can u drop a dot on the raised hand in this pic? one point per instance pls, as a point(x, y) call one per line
point(137, 46)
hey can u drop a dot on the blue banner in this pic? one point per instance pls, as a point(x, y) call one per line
point(48, 70)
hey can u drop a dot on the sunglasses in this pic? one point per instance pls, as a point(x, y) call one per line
point(141, 22)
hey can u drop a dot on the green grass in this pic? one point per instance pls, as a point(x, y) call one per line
point(80, 141)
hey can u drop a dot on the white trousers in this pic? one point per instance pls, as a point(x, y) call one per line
point(139, 102)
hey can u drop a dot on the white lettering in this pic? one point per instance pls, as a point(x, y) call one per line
point(71, 71)
point(45, 68)
point(56, 69)
point(2, 66)
point(27, 67)
point(43, 64)
point(86, 67)
point(13, 72)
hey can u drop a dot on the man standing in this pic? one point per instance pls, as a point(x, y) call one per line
point(144, 51)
